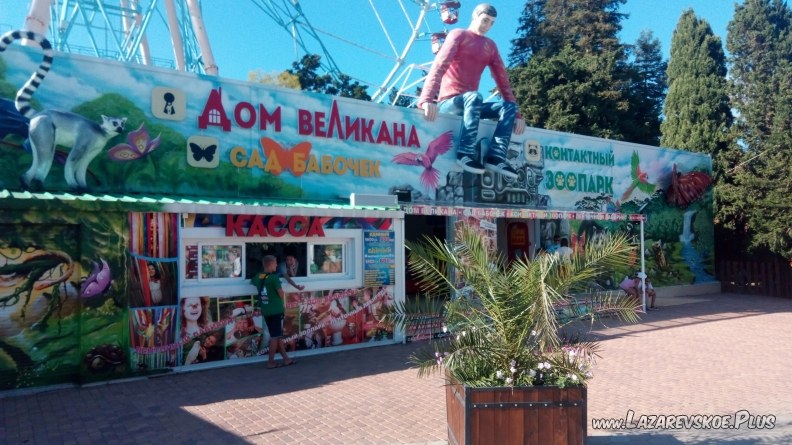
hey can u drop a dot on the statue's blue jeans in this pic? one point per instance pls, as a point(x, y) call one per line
point(472, 108)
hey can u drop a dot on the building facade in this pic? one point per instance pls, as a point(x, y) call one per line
point(130, 232)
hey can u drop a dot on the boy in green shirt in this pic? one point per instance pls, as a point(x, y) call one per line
point(271, 301)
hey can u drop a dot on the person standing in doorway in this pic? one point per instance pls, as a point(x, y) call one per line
point(155, 284)
point(564, 251)
point(456, 74)
point(271, 299)
point(554, 245)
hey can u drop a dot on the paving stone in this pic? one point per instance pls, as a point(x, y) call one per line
point(709, 355)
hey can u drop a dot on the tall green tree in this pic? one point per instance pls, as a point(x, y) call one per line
point(547, 26)
point(697, 112)
point(589, 26)
point(307, 71)
point(574, 78)
point(698, 116)
point(571, 92)
point(760, 43)
point(647, 89)
point(530, 40)
point(304, 75)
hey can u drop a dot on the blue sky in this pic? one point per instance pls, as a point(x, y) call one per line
point(244, 38)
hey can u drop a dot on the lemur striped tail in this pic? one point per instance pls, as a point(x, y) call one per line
point(26, 93)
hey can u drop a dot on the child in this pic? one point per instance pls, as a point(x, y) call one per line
point(650, 293)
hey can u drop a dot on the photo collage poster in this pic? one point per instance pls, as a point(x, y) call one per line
point(153, 290)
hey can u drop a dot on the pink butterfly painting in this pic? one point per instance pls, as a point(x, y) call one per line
point(430, 177)
point(138, 146)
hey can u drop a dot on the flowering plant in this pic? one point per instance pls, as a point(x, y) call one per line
point(501, 320)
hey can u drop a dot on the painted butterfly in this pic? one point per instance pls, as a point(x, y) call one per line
point(207, 153)
point(138, 146)
point(687, 187)
point(283, 158)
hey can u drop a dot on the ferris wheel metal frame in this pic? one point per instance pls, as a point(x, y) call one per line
point(405, 76)
point(118, 30)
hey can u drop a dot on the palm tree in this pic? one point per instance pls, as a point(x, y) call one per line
point(502, 320)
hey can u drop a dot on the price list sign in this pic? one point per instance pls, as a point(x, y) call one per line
point(379, 258)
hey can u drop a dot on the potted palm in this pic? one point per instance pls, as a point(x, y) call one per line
point(514, 356)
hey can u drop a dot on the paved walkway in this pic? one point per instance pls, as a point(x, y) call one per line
point(709, 355)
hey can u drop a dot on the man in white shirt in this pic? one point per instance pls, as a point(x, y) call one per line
point(564, 252)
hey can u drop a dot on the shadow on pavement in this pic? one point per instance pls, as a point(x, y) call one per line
point(686, 311)
point(170, 407)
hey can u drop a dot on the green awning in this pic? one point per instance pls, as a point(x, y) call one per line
point(25, 200)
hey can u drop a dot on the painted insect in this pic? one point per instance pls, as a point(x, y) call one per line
point(199, 152)
point(139, 145)
point(687, 187)
point(281, 159)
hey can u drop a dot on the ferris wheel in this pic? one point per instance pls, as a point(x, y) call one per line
point(406, 75)
point(122, 30)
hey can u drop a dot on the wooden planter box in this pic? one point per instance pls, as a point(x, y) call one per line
point(538, 415)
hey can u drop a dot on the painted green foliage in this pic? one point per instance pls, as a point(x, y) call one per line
point(164, 168)
point(674, 253)
point(54, 334)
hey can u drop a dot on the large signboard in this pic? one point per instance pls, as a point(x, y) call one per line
point(148, 130)
point(161, 131)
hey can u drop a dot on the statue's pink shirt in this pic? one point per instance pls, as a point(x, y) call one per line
point(458, 67)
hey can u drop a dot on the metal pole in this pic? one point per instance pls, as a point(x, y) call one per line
point(643, 269)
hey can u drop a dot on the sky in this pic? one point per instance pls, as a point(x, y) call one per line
point(244, 38)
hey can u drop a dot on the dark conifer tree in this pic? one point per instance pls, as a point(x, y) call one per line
point(569, 67)
point(697, 114)
point(760, 43)
point(311, 80)
point(530, 40)
point(647, 89)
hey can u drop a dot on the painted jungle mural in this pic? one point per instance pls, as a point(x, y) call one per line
point(62, 298)
point(91, 292)
point(678, 245)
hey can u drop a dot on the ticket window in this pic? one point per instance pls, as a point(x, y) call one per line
point(216, 264)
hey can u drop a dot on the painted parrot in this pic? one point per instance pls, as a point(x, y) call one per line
point(640, 179)
point(430, 178)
